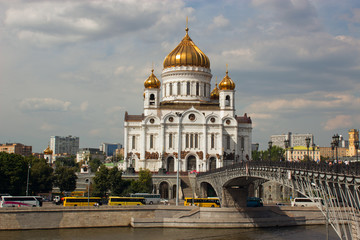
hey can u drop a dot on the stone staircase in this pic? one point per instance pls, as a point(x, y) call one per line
point(186, 187)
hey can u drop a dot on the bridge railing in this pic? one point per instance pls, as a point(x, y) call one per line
point(351, 169)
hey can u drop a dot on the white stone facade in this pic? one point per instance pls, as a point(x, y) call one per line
point(185, 121)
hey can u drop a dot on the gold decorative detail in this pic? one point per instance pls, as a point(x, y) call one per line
point(227, 83)
point(186, 54)
point(215, 92)
point(48, 151)
point(152, 81)
point(200, 154)
point(153, 155)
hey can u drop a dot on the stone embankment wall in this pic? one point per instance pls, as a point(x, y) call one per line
point(156, 216)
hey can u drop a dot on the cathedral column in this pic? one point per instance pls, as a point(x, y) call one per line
point(143, 147)
point(220, 141)
point(162, 144)
point(205, 147)
point(126, 136)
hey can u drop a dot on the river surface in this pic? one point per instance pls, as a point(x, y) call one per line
point(127, 233)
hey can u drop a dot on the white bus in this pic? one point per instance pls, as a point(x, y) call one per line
point(149, 198)
point(306, 202)
point(21, 201)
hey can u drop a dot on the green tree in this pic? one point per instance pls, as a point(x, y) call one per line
point(41, 176)
point(117, 184)
point(65, 179)
point(144, 184)
point(67, 162)
point(13, 174)
point(94, 164)
point(101, 183)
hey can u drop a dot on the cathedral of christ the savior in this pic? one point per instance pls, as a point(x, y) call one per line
point(185, 119)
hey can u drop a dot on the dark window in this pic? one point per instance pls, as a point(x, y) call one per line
point(196, 140)
point(197, 89)
point(178, 88)
point(133, 142)
point(212, 140)
point(170, 86)
point(170, 140)
point(151, 141)
point(187, 141)
point(228, 142)
point(188, 88)
point(152, 99)
point(191, 140)
point(227, 100)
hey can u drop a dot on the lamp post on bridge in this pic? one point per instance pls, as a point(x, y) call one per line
point(336, 144)
point(286, 142)
point(270, 146)
point(357, 149)
point(313, 148)
point(332, 149)
point(307, 140)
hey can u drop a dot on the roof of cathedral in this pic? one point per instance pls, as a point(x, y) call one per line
point(186, 54)
point(152, 81)
point(244, 119)
point(48, 151)
point(227, 83)
point(133, 118)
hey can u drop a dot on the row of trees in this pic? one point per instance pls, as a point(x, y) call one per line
point(15, 169)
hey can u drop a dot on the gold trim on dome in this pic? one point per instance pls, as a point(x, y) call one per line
point(186, 54)
point(152, 81)
point(227, 83)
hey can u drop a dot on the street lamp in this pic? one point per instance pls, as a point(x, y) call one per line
point(270, 146)
point(357, 149)
point(286, 142)
point(313, 147)
point(88, 183)
point(291, 151)
point(332, 149)
point(307, 140)
point(336, 144)
point(257, 150)
point(27, 182)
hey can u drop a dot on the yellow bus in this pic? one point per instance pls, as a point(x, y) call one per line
point(115, 201)
point(81, 201)
point(202, 202)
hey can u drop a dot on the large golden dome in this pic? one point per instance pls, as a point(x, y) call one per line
point(187, 54)
point(152, 81)
point(48, 151)
point(227, 83)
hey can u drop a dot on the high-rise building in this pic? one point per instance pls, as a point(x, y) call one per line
point(61, 145)
point(183, 119)
point(109, 148)
point(16, 148)
point(294, 139)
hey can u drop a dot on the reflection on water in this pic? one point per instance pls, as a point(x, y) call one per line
point(124, 233)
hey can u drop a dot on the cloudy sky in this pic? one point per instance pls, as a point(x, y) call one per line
point(75, 67)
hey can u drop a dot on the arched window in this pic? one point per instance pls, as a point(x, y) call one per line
point(133, 142)
point(170, 140)
point(188, 88)
point(151, 141)
point(152, 99)
point(196, 140)
point(227, 100)
point(228, 142)
point(212, 140)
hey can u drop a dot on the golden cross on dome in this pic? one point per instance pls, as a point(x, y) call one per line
point(227, 66)
point(187, 22)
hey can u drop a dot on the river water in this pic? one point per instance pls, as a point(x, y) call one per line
point(127, 233)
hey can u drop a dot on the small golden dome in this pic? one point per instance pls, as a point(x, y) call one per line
point(152, 81)
point(48, 151)
point(227, 83)
point(186, 54)
point(215, 93)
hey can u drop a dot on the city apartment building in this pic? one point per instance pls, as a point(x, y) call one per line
point(109, 148)
point(62, 145)
point(16, 148)
point(85, 154)
point(294, 139)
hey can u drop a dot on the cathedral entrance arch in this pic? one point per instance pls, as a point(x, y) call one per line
point(170, 163)
point(164, 190)
point(212, 163)
point(191, 163)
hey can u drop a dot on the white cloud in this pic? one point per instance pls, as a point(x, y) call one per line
point(44, 104)
point(84, 106)
point(219, 22)
point(340, 121)
point(48, 127)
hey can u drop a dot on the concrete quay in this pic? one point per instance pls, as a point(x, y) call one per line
point(156, 216)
